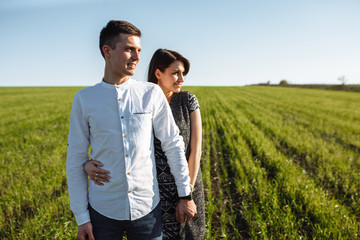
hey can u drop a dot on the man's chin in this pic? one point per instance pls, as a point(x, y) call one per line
point(131, 73)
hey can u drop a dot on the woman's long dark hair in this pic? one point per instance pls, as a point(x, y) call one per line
point(162, 59)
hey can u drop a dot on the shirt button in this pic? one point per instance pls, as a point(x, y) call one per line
point(127, 155)
point(119, 99)
point(122, 117)
point(128, 173)
point(117, 86)
point(124, 135)
point(129, 191)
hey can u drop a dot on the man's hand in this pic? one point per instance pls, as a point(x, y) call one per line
point(85, 231)
point(185, 210)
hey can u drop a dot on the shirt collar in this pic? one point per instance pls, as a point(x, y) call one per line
point(113, 86)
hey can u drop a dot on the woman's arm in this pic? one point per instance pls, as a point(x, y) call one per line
point(195, 145)
point(96, 174)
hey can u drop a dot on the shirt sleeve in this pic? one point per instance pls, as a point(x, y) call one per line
point(172, 143)
point(192, 102)
point(77, 154)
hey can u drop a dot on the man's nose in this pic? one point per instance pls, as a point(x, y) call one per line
point(136, 55)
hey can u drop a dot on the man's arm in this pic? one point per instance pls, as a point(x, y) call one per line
point(172, 144)
point(77, 154)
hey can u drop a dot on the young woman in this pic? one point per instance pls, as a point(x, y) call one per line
point(167, 69)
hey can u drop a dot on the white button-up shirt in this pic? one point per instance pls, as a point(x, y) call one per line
point(119, 122)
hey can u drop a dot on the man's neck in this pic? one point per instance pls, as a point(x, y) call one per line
point(115, 80)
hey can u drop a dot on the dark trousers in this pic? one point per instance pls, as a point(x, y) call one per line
point(147, 227)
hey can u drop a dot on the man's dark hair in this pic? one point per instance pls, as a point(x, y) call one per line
point(162, 59)
point(110, 34)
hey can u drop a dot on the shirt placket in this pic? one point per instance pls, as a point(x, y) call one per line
point(124, 128)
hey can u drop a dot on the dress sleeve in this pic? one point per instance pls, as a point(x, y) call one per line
point(192, 103)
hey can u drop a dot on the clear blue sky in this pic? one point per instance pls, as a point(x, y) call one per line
point(239, 42)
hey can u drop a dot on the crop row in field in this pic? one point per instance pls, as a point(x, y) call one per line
point(285, 162)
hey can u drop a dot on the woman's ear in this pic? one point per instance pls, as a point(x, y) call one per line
point(157, 73)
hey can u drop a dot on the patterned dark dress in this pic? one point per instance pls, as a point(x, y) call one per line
point(182, 104)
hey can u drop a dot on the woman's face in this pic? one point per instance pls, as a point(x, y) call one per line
point(172, 78)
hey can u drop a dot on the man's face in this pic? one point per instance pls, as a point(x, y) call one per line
point(126, 55)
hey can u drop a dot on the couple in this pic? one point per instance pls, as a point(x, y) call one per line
point(138, 147)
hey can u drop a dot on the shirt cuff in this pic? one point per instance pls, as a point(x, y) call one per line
point(184, 191)
point(82, 218)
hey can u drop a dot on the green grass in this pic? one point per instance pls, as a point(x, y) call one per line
point(278, 163)
point(33, 193)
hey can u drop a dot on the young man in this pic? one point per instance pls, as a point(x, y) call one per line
point(118, 118)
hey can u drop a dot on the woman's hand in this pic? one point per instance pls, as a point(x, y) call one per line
point(97, 175)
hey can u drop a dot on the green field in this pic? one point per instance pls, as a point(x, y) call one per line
point(278, 163)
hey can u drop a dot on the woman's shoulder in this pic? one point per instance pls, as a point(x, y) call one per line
point(186, 94)
point(190, 100)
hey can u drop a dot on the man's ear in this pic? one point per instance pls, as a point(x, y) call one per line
point(157, 73)
point(106, 51)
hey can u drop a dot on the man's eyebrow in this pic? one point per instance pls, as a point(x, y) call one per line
point(132, 47)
